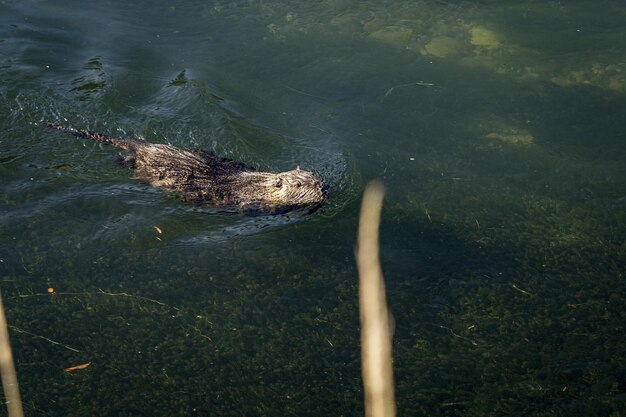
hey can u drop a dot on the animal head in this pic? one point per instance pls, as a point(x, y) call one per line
point(291, 190)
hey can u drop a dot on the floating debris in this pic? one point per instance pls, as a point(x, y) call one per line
point(78, 367)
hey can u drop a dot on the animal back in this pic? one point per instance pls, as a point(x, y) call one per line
point(182, 170)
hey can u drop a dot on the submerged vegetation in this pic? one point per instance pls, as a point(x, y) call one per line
point(495, 125)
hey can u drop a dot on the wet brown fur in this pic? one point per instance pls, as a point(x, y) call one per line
point(202, 177)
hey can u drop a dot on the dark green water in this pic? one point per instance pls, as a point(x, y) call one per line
point(497, 127)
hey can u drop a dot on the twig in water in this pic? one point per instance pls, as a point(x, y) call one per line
point(420, 83)
point(138, 297)
point(520, 290)
point(295, 90)
point(36, 336)
point(453, 333)
point(101, 292)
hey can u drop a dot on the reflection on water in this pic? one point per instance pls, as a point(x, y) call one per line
point(497, 128)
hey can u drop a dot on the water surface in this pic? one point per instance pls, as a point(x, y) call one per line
point(496, 126)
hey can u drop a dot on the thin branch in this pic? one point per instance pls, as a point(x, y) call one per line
point(36, 336)
point(7, 370)
point(375, 330)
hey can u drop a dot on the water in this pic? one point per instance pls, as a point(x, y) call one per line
point(497, 128)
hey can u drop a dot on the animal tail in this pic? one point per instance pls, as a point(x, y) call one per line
point(122, 143)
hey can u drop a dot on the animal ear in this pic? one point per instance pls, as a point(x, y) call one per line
point(279, 183)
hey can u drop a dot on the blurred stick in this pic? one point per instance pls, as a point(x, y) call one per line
point(7, 370)
point(376, 364)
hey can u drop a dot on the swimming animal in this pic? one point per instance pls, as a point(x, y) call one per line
point(204, 178)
